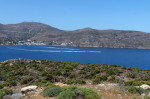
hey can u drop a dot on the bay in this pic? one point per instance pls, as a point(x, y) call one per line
point(137, 58)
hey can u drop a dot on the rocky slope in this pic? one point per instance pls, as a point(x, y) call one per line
point(109, 81)
point(86, 37)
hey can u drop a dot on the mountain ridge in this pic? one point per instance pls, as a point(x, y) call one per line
point(85, 37)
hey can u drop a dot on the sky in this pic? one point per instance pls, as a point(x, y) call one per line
point(77, 14)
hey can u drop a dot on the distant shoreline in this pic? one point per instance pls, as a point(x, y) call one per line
point(82, 46)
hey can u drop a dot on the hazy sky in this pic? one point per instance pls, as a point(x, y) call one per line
point(75, 14)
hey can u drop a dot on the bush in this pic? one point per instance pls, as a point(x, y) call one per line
point(50, 86)
point(2, 93)
point(52, 92)
point(97, 80)
point(72, 92)
point(133, 89)
point(5, 92)
point(44, 83)
point(79, 81)
point(104, 77)
point(110, 72)
point(89, 93)
point(24, 81)
point(68, 81)
point(11, 83)
point(66, 95)
point(8, 91)
point(112, 79)
point(72, 76)
point(1, 86)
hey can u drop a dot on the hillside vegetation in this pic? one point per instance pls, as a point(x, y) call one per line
point(42, 73)
point(21, 71)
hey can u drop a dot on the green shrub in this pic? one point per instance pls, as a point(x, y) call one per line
point(24, 81)
point(8, 91)
point(1, 86)
point(110, 72)
point(79, 81)
point(11, 83)
point(72, 92)
point(52, 92)
point(50, 86)
point(48, 77)
point(89, 93)
point(140, 90)
point(104, 77)
point(66, 95)
point(134, 98)
point(129, 83)
point(72, 76)
point(68, 81)
point(56, 72)
point(2, 93)
point(43, 83)
point(133, 89)
point(97, 80)
point(5, 92)
point(112, 79)
point(124, 67)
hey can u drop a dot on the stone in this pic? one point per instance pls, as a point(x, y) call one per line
point(28, 89)
point(145, 87)
point(101, 85)
point(16, 96)
point(113, 84)
point(143, 95)
point(60, 84)
point(7, 97)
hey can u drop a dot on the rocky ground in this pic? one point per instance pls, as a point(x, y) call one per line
point(106, 91)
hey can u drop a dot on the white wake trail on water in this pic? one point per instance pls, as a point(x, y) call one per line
point(54, 51)
point(62, 48)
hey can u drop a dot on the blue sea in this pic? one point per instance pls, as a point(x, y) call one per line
point(137, 58)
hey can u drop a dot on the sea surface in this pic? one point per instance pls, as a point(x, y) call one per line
point(137, 58)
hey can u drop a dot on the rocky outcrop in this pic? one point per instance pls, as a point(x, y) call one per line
point(13, 96)
point(60, 84)
point(145, 87)
point(28, 89)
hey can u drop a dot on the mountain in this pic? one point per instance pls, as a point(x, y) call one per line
point(86, 37)
point(25, 30)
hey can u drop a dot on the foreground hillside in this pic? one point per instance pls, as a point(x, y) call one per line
point(86, 37)
point(107, 80)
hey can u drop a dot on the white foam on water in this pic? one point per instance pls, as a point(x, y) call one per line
point(55, 51)
point(62, 48)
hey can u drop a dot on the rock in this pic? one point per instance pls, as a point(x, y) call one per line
point(60, 84)
point(101, 85)
point(7, 97)
point(13, 96)
point(143, 95)
point(113, 84)
point(28, 89)
point(10, 64)
point(16, 96)
point(145, 87)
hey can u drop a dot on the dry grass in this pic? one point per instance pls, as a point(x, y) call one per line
point(111, 92)
point(106, 92)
